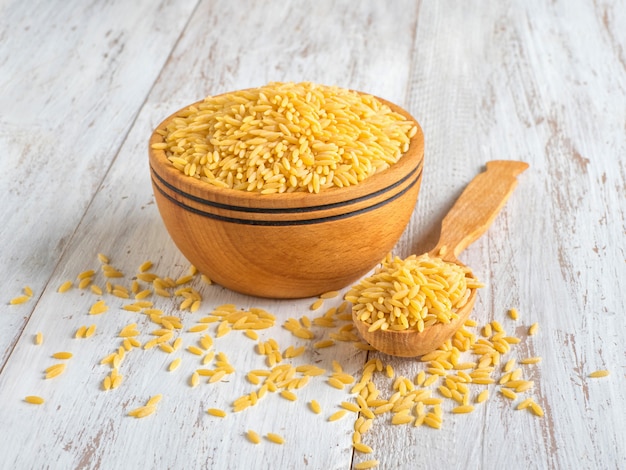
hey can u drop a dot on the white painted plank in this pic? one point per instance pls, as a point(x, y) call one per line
point(522, 82)
point(73, 76)
point(123, 223)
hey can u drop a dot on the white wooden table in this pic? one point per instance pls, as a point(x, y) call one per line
point(83, 83)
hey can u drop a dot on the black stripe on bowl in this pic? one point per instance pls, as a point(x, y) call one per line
point(286, 210)
point(283, 223)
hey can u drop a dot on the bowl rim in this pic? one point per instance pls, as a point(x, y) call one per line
point(409, 163)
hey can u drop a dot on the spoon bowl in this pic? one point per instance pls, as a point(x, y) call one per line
point(469, 218)
point(412, 343)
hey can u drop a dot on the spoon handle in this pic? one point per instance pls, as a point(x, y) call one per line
point(477, 207)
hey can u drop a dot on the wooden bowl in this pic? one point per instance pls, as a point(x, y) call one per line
point(288, 245)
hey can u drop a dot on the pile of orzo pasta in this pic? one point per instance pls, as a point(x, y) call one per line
point(285, 137)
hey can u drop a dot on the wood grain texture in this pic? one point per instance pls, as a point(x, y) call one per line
point(73, 79)
point(539, 82)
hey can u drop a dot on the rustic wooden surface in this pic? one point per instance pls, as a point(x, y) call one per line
point(81, 87)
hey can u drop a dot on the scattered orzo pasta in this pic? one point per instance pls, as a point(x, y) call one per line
point(286, 137)
point(62, 355)
point(253, 437)
point(367, 464)
point(216, 412)
point(20, 299)
point(337, 415)
point(599, 373)
point(462, 382)
point(315, 407)
point(67, 285)
point(54, 370)
point(275, 438)
point(34, 399)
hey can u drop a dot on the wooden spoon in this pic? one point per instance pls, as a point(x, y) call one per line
point(469, 218)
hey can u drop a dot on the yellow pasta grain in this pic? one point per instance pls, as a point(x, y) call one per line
point(34, 399)
point(531, 360)
point(508, 393)
point(420, 378)
point(132, 308)
point(399, 419)
point(153, 400)
point(251, 334)
point(20, 299)
point(336, 383)
point(317, 304)
point(337, 415)
point(363, 448)
point(432, 421)
point(145, 266)
point(253, 436)
point(91, 329)
point(198, 328)
point(536, 409)
point(67, 285)
point(598, 374)
point(39, 338)
point(150, 344)
point(508, 366)
point(315, 407)
point(80, 332)
point(174, 364)
point(195, 350)
point(350, 406)
point(194, 380)
point(482, 396)
point(129, 331)
point(219, 375)
point(288, 395)
point(513, 314)
point(146, 277)
point(365, 465)
point(223, 329)
point(116, 381)
point(431, 380)
point(463, 409)
point(143, 294)
point(216, 412)
point(86, 274)
point(142, 411)
point(275, 438)
point(54, 370)
point(532, 330)
point(323, 344)
point(97, 290)
point(483, 380)
point(62, 355)
point(106, 383)
point(98, 308)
